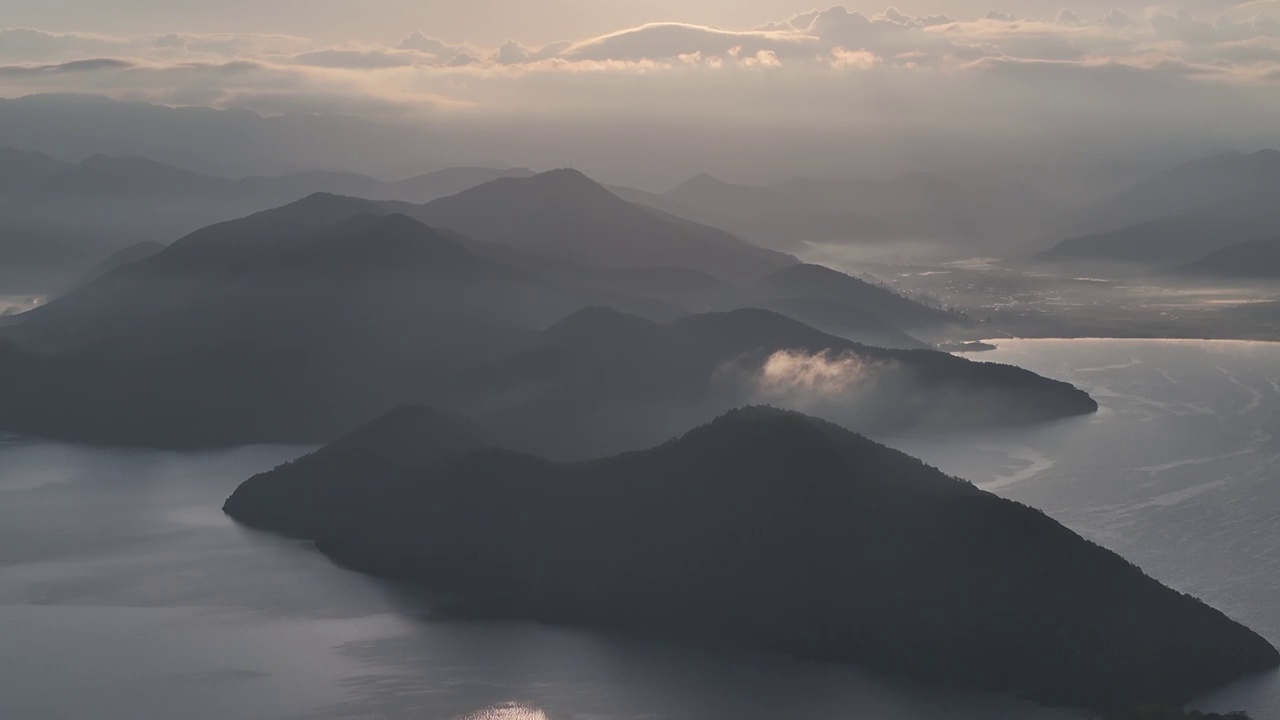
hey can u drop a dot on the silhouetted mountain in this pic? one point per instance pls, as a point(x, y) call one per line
point(601, 381)
point(853, 316)
point(961, 216)
point(845, 321)
point(103, 175)
point(1164, 712)
point(301, 184)
point(767, 217)
point(763, 529)
point(816, 283)
point(1159, 243)
point(65, 216)
point(300, 498)
point(446, 182)
point(1253, 259)
point(21, 170)
point(287, 325)
point(1219, 185)
point(126, 256)
point(564, 214)
point(1181, 214)
point(691, 289)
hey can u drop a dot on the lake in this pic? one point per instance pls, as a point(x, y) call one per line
point(126, 594)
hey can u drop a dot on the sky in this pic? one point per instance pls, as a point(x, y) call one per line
point(480, 21)
point(1018, 74)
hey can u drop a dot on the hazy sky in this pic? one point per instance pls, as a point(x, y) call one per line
point(1016, 74)
point(491, 21)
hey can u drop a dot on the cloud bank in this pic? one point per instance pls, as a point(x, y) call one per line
point(916, 83)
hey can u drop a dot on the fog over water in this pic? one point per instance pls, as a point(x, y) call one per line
point(125, 593)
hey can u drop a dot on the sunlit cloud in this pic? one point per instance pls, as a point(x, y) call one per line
point(822, 65)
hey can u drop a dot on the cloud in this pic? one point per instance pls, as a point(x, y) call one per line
point(31, 45)
point(660, 41)
point(855, 59)
point(791, 373)
point(422, 43)
point(359, 59)
point(75, 66)
point(833, 70)
point(1118, 19)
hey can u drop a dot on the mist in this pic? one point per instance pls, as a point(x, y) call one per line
point(931, 346)
point(827, 93)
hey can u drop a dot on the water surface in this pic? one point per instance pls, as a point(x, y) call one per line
point(125, 594)
point(1179, 471)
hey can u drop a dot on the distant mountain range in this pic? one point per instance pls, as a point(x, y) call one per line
point(1181, 214)
point(209, 141)
point(961, 217)
point(601, 381)
point(64, 217)
point(1258, 259)
point(761, 529)
point(564, 214)
point(292, 324)
point(31, 175)
point(297, 323)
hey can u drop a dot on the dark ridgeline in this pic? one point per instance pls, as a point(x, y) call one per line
point(1163, 242)
point(290, 325)
point(601, 381)
point(1164, 712)
point(1258, 259)
point(62, 218)
point(302, 497)
point(567, 215)
point(821, 285)
point(298, 323)
point(973, 214)
point(763, 529)
point(1180, 215)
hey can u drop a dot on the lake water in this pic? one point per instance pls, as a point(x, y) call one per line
point(126, 594)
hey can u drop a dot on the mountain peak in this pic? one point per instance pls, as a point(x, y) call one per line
point(701, 181)
point(554, 188)
point(567, 180)
point(592, 325)
point(330, 202)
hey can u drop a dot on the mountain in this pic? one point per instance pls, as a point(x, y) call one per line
point(103, 175)
point(564, 214)
point(956, 216)
point(446, 182)
point(301, 497)
point(65, 217)
point(862, 313)
point(762, 529)
point(845, 321)
point(209, 141)
point(1155, 243)
point(601, 381)
point(1181, 214)
point(819, 284)
point(1252, 259)
point(291, 325)
point(20, 169)
point(768, 217)
point(1219, 185)
point(125, 256)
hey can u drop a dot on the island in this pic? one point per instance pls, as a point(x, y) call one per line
point(763, 529)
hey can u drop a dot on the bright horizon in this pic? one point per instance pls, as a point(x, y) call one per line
point(756, 88)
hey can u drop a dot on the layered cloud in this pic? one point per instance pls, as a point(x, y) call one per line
point(993, 74)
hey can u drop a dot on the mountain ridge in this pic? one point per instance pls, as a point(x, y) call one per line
point(770, 529)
